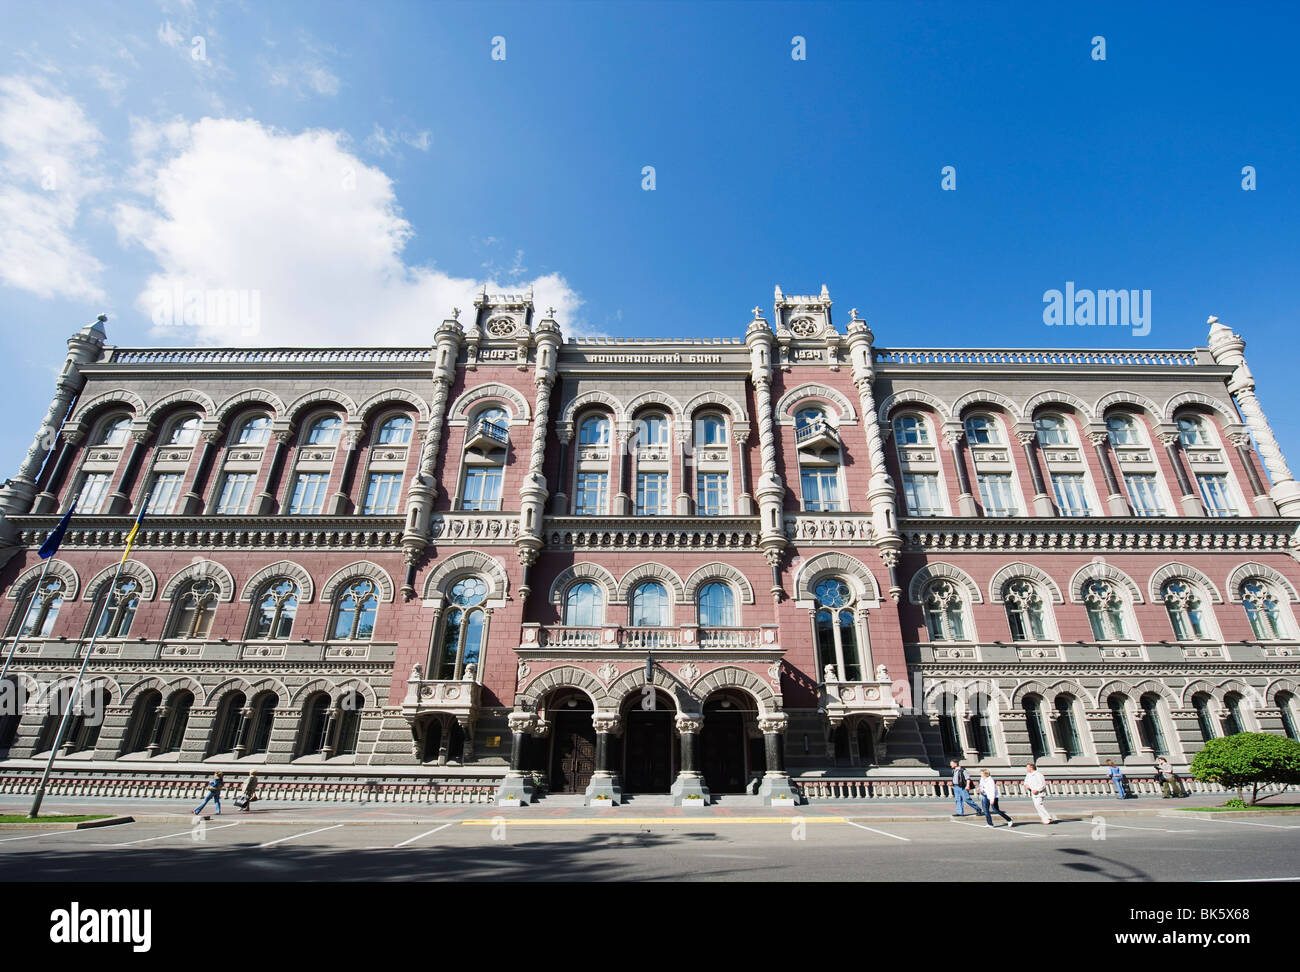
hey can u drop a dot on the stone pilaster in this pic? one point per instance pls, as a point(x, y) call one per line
point(771, 490)
point(689, 784)
point(516, 789)
point(604, 789)
point(533, 492)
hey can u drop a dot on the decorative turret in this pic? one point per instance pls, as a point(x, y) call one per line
point(770, 491)
point(533, 493)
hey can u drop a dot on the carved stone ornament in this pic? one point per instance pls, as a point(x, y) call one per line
point(804, 327)
point(501, 326)
point(688, 672)
point(607, 672)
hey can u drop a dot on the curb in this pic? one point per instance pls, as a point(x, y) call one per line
point(43, 824)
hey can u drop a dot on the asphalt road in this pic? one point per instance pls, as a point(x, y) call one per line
point(761, 846)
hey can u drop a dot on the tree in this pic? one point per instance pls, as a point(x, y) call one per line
point(1248, 759)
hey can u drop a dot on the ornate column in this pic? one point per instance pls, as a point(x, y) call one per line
point(341, 502)
point(155, 739)
point(84, 347)
point(683, 453)
point(604, 783)
point(1116, 504)
point(1229, 349)
point(423, 490)
point(47, 499)
point(776, 787)
point(771, 490)
point(560, 503)
point(1190, 502)
point(621, 439)
point(689, 783)
point(119, 501)
point(245, 730)
point(1028, 437)
point(745, 501)
point(533, 492)
point(1264, 505)
point(516, 789)
point(953, 435)
point(192, 502)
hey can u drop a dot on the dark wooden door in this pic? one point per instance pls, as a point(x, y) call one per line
point(573, 753)
point(723, 743)
point(648, 758)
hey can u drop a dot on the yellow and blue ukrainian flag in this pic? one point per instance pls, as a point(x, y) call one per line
point(130, 537)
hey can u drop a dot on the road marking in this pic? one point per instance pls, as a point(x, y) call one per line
point(320, 830)
point(183, 833)
point(671, 821)
point(1251, 823)
point(985, 826)
point(1158, 830)
point(425, 834)
point(883, 833)
point(48, 833)
point(1247, 880)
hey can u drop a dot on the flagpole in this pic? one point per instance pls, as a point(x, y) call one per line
point(18, 637)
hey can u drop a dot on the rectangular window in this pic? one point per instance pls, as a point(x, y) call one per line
point(821, 490)
point(998, 495)
point(921, 491)
point(93, 490)
point(1144, 494)
point(166, 491)
point(236, 494)
point(383, 494)
point(592, 494)
point(1218, 500)
point(482, 489)
point(712, 497)
point(1071, 497)
point(309, 494)
point(652, 494)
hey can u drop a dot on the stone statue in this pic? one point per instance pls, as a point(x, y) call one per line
point(830, 674)
point(882, 673)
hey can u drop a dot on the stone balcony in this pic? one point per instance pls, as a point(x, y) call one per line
point(623, 638)
point(840, 700)
point(458, 699)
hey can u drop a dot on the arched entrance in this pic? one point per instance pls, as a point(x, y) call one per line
point(651, 751)
point(573, 742)
point(725, 756)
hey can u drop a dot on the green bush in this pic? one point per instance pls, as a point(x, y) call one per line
point(1236, 804)
point(1248, 759)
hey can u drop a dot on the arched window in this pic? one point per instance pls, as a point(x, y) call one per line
point(949, 733)
point(396, 430)
point(484, 459)
point(911, 430)
point(185, 431)
point(1033, 706)
point(1262, 609)
point(819, 461)
point(1234, 722)
point(254, 431)
point(650, 606)
point(710, 430)
point(178, 720)
point(810, 415)
point(463, 629)
point(1184, 608)
point(42, 609)
point(1123, 430)
point(143, 722)
point(275, 611)
point(1065, 727)
point(979, 729)
point(983, 430)
point(1151, 724)
point(315, 724)
point(1286, 707)
point(11, 711)
point(193, 609)
point(717, 606)
point(1052, 430)
point(837, 630)
point(594, 430)
point(1201, 702)
point(230, 716)
point(263, 721)
point(584, 606)
point(349, 718)
point(652, 430)
point(354, 616)
point(1118, 704)
point(88, 712)
point(115, 431)
point(1192, 431)
point(325, 431)
point(1105, 611)
point(1024, 606)
point(114, 619)
point(943, 612)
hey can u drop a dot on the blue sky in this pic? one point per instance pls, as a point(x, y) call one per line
point(363, 167)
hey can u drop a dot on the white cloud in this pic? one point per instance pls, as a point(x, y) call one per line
point(301, 223)
point(383, 141)
point(48, 166)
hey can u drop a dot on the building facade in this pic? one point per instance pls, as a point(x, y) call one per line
point(651, 566)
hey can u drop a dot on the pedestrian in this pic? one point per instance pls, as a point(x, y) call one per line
point(1036, 784)
point(214, 793)
point(1117, 778)
point(1168, 778)
point(1166, 788)
point(989, 798)
point(246, 795)
point(961, 783)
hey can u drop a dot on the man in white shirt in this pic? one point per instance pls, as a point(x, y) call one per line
point(1036, 784)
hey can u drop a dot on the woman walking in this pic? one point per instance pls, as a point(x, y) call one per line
point(989, 799)
point(247, 794)
point(214, 794)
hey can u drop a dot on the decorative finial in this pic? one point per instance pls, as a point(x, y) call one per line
point(853, 314)
point(550, 312)
point(1212, 320)
point(758, 312)
point(102, 318)
point(455, 313)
